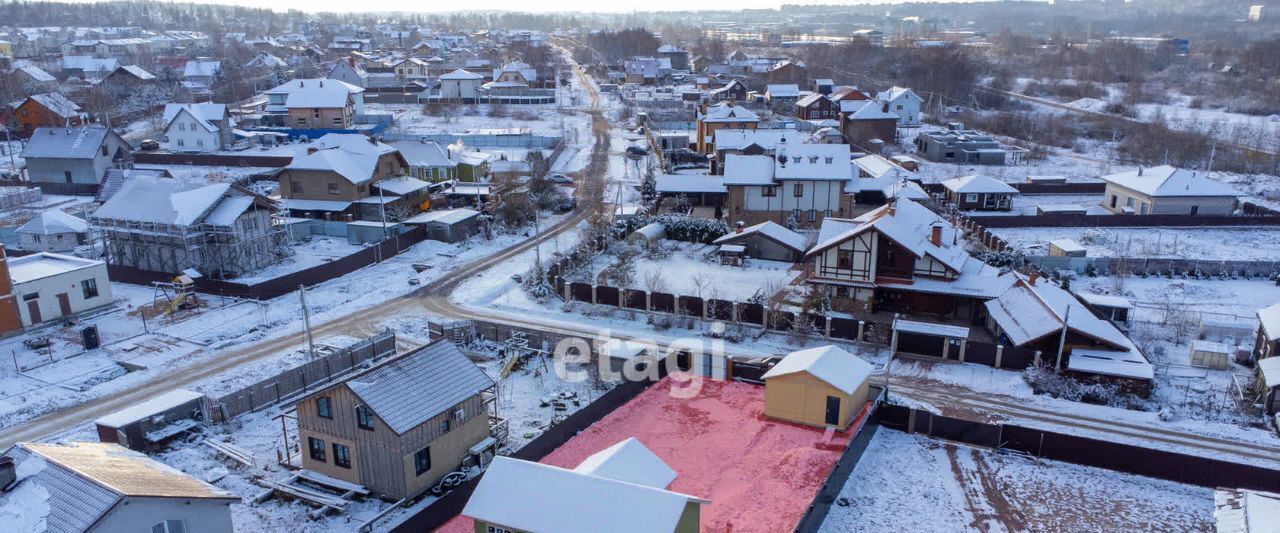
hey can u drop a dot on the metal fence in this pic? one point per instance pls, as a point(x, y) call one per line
point(302, 378)
point(247, 159)
point(1127, 458)
point(1064, 220)
point(1140, 266)
point(817, 511)
point(482, 140)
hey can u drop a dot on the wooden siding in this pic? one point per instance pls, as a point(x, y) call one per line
point(802, 398)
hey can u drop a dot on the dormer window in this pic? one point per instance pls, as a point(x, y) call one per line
point(795, 159)
point(813, 159)
point(829, 160)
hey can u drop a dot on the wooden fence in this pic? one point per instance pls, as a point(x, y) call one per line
point(287, 385)
point(1066, 220)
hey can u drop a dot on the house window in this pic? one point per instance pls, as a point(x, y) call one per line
point(795, 159)
point(493, 529)
point(199, 142)
point(295, 185)
point(364, 417)
point(182, 126)
point(315, 113)
point(341, 456)
point(1113, 201)
point(104, 149)
point(67, 174)
point(813, 159)
point(769, 192)
point(422, 461)
point(323, 408)
point(813, 215)
point(31, 297)
point(89, 288)
point(797, 190)
point(170, 526)
point(445, 426)
point(333, 188)
point(899, 108)
point(950, 155)
point(844, 259)
point(337, 121)
point(317, 448)
point(829, 160)
point(1128, 202)
point(302, 121)
point(182, 142)
point(970, 197)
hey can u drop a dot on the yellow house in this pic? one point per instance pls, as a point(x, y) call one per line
point(822, 387)
point(621, 489)
point(722, 116)
point(6, 49)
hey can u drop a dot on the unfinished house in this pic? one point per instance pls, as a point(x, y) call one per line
point(168, 225)
point(967, 147)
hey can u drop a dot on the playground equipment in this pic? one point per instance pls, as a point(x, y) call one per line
point(180, 293)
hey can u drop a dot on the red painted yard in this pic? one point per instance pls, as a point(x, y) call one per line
point(759, 474)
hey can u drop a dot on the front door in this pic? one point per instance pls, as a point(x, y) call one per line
point(833, 411)
point(1195, 209)
point(33, 310)
point(64, 303)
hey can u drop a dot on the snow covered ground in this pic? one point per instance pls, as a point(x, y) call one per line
point(316, 250)
point(908, 482)
point(536, 120)
point(1026, 204)
point(692, 269)
point(1208, 244)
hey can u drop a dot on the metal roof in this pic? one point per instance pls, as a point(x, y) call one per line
point(66, 143)
point(408, 390)
point(126, 472)
point(75, 502)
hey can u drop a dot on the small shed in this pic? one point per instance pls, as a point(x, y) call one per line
point(1066, 248)
point(732, 254)
point(980, 193)
point(368, 231)
point(1114, 309)
point(1209, 354)
point(53, 231)
point(926, 338)
point(647, 235)
point(823, 387)
point(448, 225)
point(1267, 341)
point(768, 240)
point(151, 423)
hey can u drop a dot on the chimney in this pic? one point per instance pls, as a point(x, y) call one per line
point(737, 228)
point(322, 83)
point(1035, 274)
point(893, 206)
point(312, 150)
point(8, 472)
point(1139, 171)
point(935, 234)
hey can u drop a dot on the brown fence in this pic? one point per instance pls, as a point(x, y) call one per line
point(1128, 458)
point(1066, 220)
point(212, 160)
point(289, 282)
point(302, 378)
point(1140, 266)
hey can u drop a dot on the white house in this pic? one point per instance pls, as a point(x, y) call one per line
point(460, 85)
point(99, 487)
point(350, 72)
point(903, 102)
point(1167, 190)
point(53, 231)
point(49, 286)
point(800, 185)
point(196, 127)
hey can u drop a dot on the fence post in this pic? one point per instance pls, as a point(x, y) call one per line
point(1037, 358)
point(648, 301)
point(567, 292)
point(303, 375)
point(861, 325)
point(999, 354)
point(826, 327)
point(593, 294)
point(276, 386)
point(964, 343)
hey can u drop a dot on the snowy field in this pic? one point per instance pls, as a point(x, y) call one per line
point(1026, 204)
point(313, 251)
point(537, 120)
point(692, 269)
point(908, 482)
point(1208, 244)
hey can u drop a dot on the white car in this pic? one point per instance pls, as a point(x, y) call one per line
point(560, 178)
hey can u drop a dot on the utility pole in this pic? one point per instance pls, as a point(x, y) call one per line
point(306, 320)
point(382, 210)
point(1062, 338)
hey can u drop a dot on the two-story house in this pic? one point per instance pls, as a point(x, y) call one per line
point(320, 104)
point(515, 73)
point(51, 109)
point(197, 127)
point(722, 116)
point(816, 106)
point(901, 257)
point(74, 160)
point(350, 72)
point(862, 121)
point(400, 426)
point(799, 185)
point(903, 102)
point(333, 177)
point(411, 68)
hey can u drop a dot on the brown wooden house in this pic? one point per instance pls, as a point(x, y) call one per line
point(398, 427)
point(51, 109)
point(862, 121)
point(334, 177)
point(817, 106)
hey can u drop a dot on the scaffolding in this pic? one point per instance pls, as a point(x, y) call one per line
point(256, 240)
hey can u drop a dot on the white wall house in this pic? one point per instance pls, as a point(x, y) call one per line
point(903, 102)
point(48, 286)
point(800, 185)
point(460, 85)
point(196, 127)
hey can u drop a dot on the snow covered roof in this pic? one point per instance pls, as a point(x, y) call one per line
point(877, 166)
point(865, 110)
point(54, 221)
point(810, 99)
point(316, 93)
point(201, 68)
point(1246, 511)
point(208, 115)
point(1125, 364)
point(531, 496)
point(1168, 181)
point(69, 488)
point(408, 390)
point(895, 93)
point(300, 204)
point(89, 64)
point(424, 154)
point(628, 461)
point(57, 104)
point(748, 170)
point(689, 183)
point(461, 74)
point(1105, 300)
point(784, 90)
point(904, 222)
point(669, 49)
point(978, 184)
point(764, 138)
point(1029, 312)
point(228, 210)
point(135, 71)
point(930, 328)
point(443, 216)
point(727, 112)
point(401, 185)
point(350, 155)
point(67, 143)
point(831, 364)
point(772, 230)
point(1269, 318)
point(45, 264)
point(812, 162)
point(37, 74)
point(1269, 367)
point(156, 405)
point(162, 201)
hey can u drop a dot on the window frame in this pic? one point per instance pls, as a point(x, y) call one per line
point(89, 287)
point(316, 449)
point(341, 456)
point(797, 190)
point(362, 413)
point(418, 460)
point(324, 407)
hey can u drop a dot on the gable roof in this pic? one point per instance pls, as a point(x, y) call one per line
point(533, 496)
point(1269, 321)
point(316, 93)
point(68, 143)
point(135, 71)
point(1028, 312)
point(406, 391)
point(461, 74)
point(865, 110)
point(771, 230)
point(1169, 181)
point(816, 162)
point(727, 112)
point(895, 93)
point(350, 155)
point(37, 74)
point(54, 221)
point(201, 68)
point(57, 104)
point(726, 139)
point(89, 64)
point(909, 225)
point(831, 364)
point(160, 200)
point(978, 184)
point(208, 115)
point(810, 99)
point(784, 90)
point(629, 461)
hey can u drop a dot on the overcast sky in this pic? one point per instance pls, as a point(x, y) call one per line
point(611, 6)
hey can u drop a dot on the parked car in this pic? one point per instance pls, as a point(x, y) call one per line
point(636, 151)
point(149, 144)
point(560, 178)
